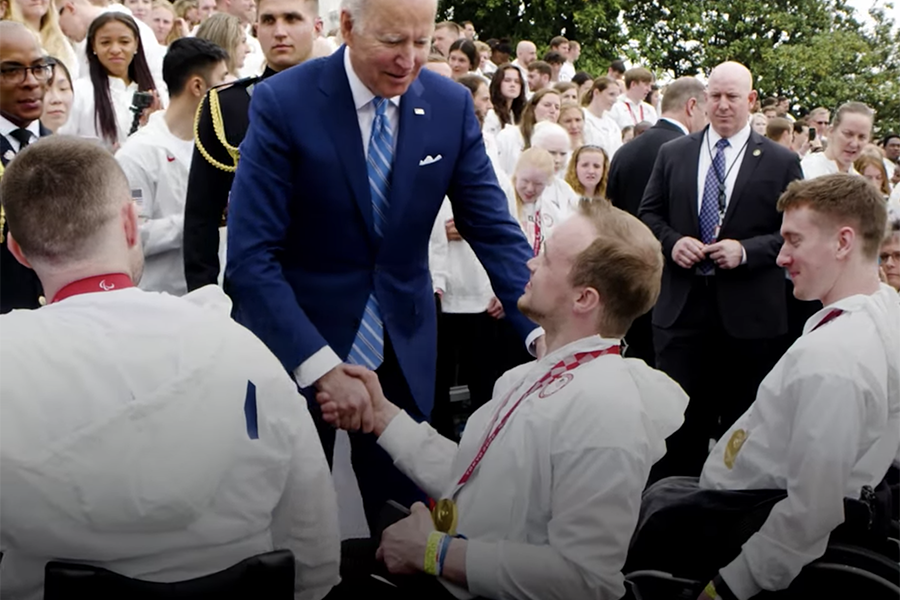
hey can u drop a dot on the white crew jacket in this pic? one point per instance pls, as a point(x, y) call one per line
point(553, 209)
point(83, 120)
point(157, 165)
point(816, 164)
point(627, 113)
point(825, 423)
point(510, 145)
point(155, 437)
point(550, 510)
point(602, 131)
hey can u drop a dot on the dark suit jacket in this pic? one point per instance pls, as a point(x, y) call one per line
point(633, 163)
point(303, 255)
point(751, 297)
point(19, 285)
point(209, 186)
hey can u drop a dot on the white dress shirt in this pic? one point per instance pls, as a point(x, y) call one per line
point(510, 145)
point(82, 120)
point(157, 165)
point(567, 71)
point(816, 164)
point(677, 124)
point(325, 359)
point(602, 131)
point(550, 510)
point(124, 444)
point(825, 423)
point(627, 113)
point(7, 127)
point(734, 155)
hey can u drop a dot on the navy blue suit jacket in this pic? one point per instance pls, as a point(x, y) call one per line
point(303, 255)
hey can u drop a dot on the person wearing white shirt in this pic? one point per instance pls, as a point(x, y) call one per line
point(600, 128)
point(631, 108)
point(555, 140)
point(169, 443)
point(75, 18)
point(850, 132)
point(568, 69)
point(157, 160)
point(826, 420)
point(549, 504)
point(117, 64)
point(508, 99)
point(511, 141)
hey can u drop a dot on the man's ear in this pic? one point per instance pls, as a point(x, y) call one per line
point(320, 25)
point(197, 86)
point(130, 222)
point(846, 238)
point(587, 301)
point(16, 250)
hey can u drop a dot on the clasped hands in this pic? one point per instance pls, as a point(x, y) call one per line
point(726, 254)
point(351, 398)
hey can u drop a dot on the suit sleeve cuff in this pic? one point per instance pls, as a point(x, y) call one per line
point(314, 367)
point(531, 341)
point(743, 255)
point(739, 579)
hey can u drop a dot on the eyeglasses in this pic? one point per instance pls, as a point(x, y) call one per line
point(821, 122)
point(17, 75)
point(886, 256)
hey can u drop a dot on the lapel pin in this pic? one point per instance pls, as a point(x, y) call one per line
point(419, 111)
point(757, 152)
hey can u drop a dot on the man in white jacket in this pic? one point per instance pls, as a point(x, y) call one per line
point(157, 161)
point(547, 478)
point(143, 433)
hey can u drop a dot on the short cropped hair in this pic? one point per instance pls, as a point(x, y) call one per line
point(58, 194)
point(844, 200)
point(558, 41)
point(554, 58)
point(187, 57)
point(624, 264)
point(777, 126)
point(618, 66)
point(637, 75)
point(680, 91)
point(767, 102)
point(540, 66)
point(581, 77)
point(449, 25)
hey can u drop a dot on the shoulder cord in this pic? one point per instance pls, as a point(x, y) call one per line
point(215, 111)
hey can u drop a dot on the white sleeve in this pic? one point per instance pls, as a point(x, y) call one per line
point(595, 503)
point(420, 452)
point(305, 521)
point(492, 124)
point(159, 233)
point(438, 248)
point(830, 414)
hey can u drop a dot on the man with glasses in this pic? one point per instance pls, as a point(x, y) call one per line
point(24, 72)
point(819, 119)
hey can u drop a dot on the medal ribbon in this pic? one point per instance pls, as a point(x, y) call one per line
point(633, 118)
point(834, 314)
point(566, 364)
point(537, 232)
point(100, 283)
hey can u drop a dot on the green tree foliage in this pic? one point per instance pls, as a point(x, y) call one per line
point(816, 52)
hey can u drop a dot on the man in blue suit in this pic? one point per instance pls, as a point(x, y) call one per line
point(342, 172)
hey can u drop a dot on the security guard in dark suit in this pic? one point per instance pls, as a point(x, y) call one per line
point(286, 30)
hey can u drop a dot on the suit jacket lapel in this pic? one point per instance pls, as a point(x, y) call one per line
point(688, 180)
point(414, 112)
point(750, 161)
point(44, 131)
point(6, 150)
point(341, 120)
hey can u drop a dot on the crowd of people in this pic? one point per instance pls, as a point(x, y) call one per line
point(227, 233)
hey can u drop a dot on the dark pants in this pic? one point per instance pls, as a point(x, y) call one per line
point(720, 374)
point(467, 355)
point(378, 478)
point(799, 311)
point(639, 340)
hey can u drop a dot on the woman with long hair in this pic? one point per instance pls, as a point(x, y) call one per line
point(567, 90)
point(571, 117)
point(38, 16)
point(463, 58)
point(543, 106)
point(189, 12)
point(850, 132)
point(118, 69)
point(227, 32)
point(59, 97)
point(140, 9)
point(872, 168)
point(508, 98)
point(166, 24)
point(600, 129)
point(588, 172)
point(533, 174)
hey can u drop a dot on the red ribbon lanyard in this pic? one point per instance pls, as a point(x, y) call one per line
point(628, 106)
point(834, 314)
point(567, 364)
point(89, 285)
point(537, 232)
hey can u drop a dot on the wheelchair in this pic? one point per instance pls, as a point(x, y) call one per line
point(269, 576)
point(862, 559)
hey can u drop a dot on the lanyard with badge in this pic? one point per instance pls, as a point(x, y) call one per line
point(721, 182)
point(633, 118)
point(445, 513)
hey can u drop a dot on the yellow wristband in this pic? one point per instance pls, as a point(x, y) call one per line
point(431, 552)
point(710, 590)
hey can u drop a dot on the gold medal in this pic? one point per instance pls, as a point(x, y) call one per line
point(445, 516)
point(734, 446)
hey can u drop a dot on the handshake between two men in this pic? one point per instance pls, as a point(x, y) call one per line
point(351, 398)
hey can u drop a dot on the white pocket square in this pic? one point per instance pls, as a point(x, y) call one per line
point(430, 160)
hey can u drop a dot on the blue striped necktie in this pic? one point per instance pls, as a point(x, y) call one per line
point(368, 347)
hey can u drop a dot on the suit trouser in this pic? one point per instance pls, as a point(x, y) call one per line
point(378, 479)
point(639, 340)
point(720, 374)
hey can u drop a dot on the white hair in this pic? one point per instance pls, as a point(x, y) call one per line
point(546, 131)
point(355, 8)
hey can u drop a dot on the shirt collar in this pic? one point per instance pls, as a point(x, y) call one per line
point(853, 303)
point(676, 124)
point(736, 141)
point(361, 94)
point(7, 127)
